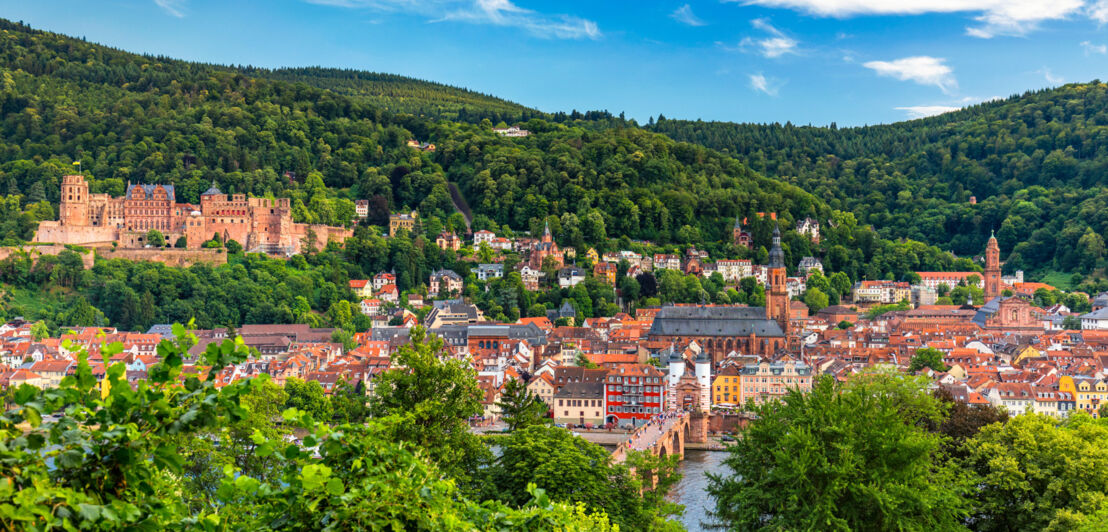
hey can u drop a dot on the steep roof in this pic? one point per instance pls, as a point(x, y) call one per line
point(212, 190)
point(714, 321)
point(149, 190)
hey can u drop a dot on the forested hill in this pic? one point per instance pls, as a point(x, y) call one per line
point(1036, 163)
point(400, 94)
point(595, 178)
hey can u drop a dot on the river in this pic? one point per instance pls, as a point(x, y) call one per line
point(692, 491)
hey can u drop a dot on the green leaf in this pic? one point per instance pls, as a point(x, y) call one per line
point(71, 458)
point(32, 416)
point(335, 487)
point(24, 393)
point(89, 512)
point(313, 476)
point(168, 458)
point(257, 437)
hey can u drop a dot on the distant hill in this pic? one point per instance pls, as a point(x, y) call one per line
point(399, 94)
point(325, 138)
point(1037, 165)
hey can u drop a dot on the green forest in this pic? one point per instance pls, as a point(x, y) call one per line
point(1035, 163)
point(325, 138)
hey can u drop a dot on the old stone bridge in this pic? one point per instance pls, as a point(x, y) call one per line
point(665, 436)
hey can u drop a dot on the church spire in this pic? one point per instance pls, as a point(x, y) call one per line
point(776, 254)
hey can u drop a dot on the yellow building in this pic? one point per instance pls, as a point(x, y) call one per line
point(592, 255)
point(1026, 353)
point(726, 387)
point(402, 221)
point(1088, 393)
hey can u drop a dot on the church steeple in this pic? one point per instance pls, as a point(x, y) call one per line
point(776, 254)
point(992, 268)
point(777, 296)
point(546, 233)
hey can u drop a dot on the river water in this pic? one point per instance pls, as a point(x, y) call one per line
point(692, 491)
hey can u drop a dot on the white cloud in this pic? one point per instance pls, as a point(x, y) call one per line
point(1098, 11)
point(996, 17)
point(491, 12)
point(685, 16)
point(923, 111)
point(1050, 77)
point(1091, 48)
point(776, 44)
point(922, 69)
point(173, 7)
point(761, 83)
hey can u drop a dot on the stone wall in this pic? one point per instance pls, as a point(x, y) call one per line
point(168, 256)
point(719, 422)
point(53, 232)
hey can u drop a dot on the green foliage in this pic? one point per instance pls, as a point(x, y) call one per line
point(963, 421)
point(399, 94)
point(109, 466)
point(816, 299)
point(39, 330)
point(322, 139)
point(155, 238)
point(658, 475)
point(520, 408)
point(432, 397)
point(308, 397)
point(348, 402)
point(843, 457)
point(143, 458)
point(1035, 473)
point(927, 358)
point(584, 362)
point(881, 310)
point(1034, 163)
point(572, 469)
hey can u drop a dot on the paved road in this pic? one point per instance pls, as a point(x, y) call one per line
point(650, 435)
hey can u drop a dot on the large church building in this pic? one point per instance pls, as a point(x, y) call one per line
point(259, 224)
point(719, 330)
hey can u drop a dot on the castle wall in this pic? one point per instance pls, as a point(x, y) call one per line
point(168, 256)
point(54, 232)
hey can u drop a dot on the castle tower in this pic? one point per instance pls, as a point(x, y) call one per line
point(777, 298)
point(676, 371)
point(992, 268)
point(546, 237)
point(73, 209)
point(704, 379)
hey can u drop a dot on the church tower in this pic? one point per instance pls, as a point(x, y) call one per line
point(777, 297)
point(992, 269)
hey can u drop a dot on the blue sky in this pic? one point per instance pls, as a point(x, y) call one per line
point(852, 62)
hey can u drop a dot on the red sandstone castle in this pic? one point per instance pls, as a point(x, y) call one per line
point(259, 224)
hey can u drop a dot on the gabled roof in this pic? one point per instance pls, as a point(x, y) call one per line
point(714, 321)
point(149, 190)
